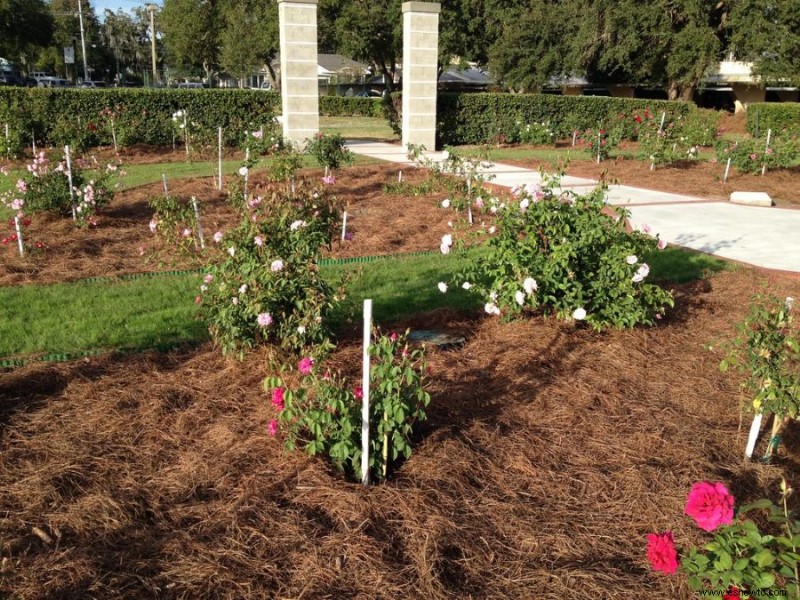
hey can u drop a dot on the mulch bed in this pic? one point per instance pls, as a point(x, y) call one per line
point(549, 454)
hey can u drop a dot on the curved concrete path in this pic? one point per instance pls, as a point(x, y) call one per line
point(763, 237)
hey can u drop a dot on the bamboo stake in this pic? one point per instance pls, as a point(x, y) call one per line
point(219, 159)
point(775, 438)
point(365, 392)
point(69, 179)
point(18, 227)
point(196, 208)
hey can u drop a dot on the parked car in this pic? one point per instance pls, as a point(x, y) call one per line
point(93, 84)
point(190, 85)
point(266, 86)
point(53, 82)
point(10, 79)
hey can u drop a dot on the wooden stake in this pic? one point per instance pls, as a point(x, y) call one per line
point(365, 393)
point(775, 438)
point(18, 227)
point(69, 179)
point(219, 160)
point(196, 208)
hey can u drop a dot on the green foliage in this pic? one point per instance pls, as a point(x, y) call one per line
point(329, 150)
point(700, 127)
point(782, 117)
point(268, 289)
point(45, 188)
point(174, 220)
point(600, 142)
point(743, 556)
point(142, 116)
point(342, 106)
point(323, 415)
point(566, 255)
point(767, 349)
point(265, 141)
point(491, 118)
point(534, 134)
point(750, 155)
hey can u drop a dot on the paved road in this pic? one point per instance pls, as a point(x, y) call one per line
point(764, 237)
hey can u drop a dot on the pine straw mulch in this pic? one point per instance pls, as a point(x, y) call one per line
point(122, 243)
point(550, 452)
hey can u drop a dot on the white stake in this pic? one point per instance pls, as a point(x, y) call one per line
point(69, 179)
point(365, 394)
point(196, 208)
point(185, 133)
point(19, 235)
point(599, 144)
point(399, 177)
point(164, 179)
point(574, 138)
point(753, 436)
point(344, 224)
point(763, 167)
point(33, 142)
point(469, 201)
point(8, 146)
point(727, 170)
point(246, 173)
point(114, 135)
point(219, 160)
point(663, 118)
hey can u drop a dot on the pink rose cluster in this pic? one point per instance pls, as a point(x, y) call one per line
point(710, 505)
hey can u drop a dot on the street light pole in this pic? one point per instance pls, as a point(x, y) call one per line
point(152, 9)
point(83, 43)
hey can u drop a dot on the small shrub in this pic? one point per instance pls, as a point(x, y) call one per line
point(268, 289)
point(329, 150)
point(323, 413)
point(535, 134)
point(750, 156)
point(564, 254)
point(174, 220)
point(600, 142)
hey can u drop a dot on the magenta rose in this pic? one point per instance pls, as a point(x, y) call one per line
point(710, 505)
point(277, 398)
point(661, 552)
point(305, 365)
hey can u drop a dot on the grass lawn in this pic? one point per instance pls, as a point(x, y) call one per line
point(158, 311)
point(358, 127)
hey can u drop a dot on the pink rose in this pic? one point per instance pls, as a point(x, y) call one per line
point(273, 427)
point(305, 365)
point(661, 552)
point(277, 398)
point(710, 505)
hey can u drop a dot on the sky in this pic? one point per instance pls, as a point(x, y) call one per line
point(101, 5)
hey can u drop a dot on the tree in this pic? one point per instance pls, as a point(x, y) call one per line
point(250, 38)
point(127, 37)
point(67, 33)
point(192, 33)
point(370, 31)
point(25, 27)
point(767, 33)
point(536, 44)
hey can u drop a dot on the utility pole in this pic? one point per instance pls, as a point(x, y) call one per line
point(152, 9)
point(83, 43)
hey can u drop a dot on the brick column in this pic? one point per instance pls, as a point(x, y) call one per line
point(420, 53)
point(299, 87)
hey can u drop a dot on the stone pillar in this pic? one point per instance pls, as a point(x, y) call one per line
point(420, 77)
point(299, 87)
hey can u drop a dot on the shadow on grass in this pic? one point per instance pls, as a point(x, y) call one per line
point(676, 265)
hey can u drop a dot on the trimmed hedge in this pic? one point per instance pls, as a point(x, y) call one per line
point(491, 118)
point(142, 115)
point(343, 106)
point(782, 117)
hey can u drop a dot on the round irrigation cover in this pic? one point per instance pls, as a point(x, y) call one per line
point(441, 339)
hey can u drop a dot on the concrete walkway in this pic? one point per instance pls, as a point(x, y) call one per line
point(764, 237)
